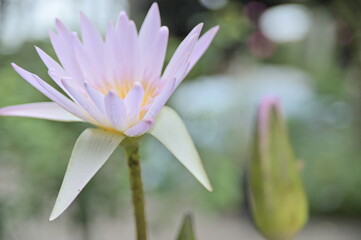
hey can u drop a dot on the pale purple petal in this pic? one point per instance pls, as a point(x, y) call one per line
point(92, 149)
point(116, 111)
point(154, 60)
point(160, 100)
point(50, 92)
point(86, 104)
point(42, 110)
point(120, 47)
point(133, 102)
point(140, 128)
point(133, 64)
point(182, 53)
point(93, 43)
point(51, 63)
point(96, 97)
point(180, 75)
point(63, 46)
point(87, 65)
point(111, 55)
point(202, 45)
point(149, 30)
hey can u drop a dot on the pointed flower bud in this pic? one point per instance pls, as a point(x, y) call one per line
point(278, 202)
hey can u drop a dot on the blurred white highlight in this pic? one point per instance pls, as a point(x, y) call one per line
point(285, 23)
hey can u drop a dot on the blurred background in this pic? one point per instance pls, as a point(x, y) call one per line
point(307, 52)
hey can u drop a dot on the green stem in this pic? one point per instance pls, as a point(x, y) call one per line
point(132, 152)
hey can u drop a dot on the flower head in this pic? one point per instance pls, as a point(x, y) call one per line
point(116, 84)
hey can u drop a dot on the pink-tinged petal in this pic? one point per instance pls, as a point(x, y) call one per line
point(63, 46)
point(154, 60)
point(92, 149)
point(111, 57)
point(133, 102)
point(182, 53)
point(96, 97)
point(42, 110)
point(85, 103)
point(56, 71)
point(268, 103)
point(90, 35)
point(170, 130)
point(149, 30)
point(120, 47)
point(93, 43)
point(87, 65)
point(116, 111)
point(132, 63)
point(122, 21)
point(51, 63)
point(160, 100)
point(50, 92)
point(140, 128)
point(202, 45)
point(180, 75)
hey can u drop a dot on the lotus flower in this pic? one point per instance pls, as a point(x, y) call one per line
point(115, 84)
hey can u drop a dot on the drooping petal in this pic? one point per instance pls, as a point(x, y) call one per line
point(50, 92)
point(133, 101)
point(140, 128)
point(91, 151)
point(182, 53)
point(149, 30)
point(43, 110)
point(170, 130)
point(202, 45)
point(116, 111)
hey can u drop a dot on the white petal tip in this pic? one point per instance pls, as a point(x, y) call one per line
point(199, 26)
point(52, 218)
point(83, 17)
point(138, 85)
point(154, 4)
point(164, 30)
point(55, 214)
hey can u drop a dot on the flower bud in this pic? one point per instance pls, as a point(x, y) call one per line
point(278, 201)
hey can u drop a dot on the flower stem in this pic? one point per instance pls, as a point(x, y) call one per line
point(132, 152)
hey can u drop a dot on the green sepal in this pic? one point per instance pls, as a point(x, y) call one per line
point(186, 232)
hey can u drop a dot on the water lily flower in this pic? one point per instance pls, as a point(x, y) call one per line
point(277, 196)
point(117, 85)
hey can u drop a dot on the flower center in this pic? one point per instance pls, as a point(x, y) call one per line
point(151, 90)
